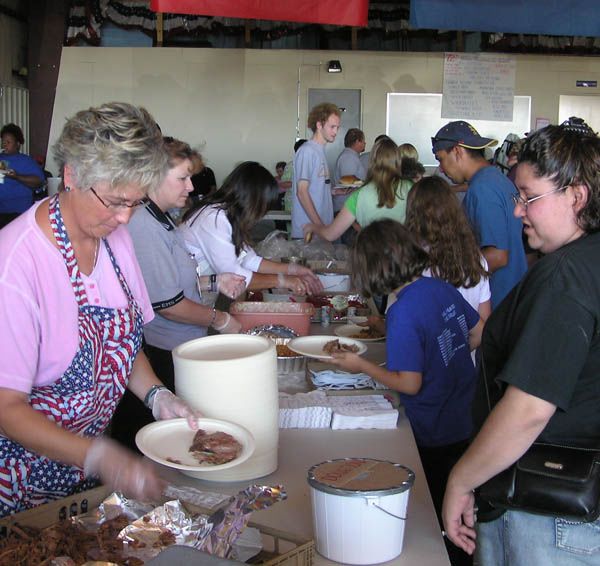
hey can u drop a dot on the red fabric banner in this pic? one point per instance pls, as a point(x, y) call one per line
point(334, 12)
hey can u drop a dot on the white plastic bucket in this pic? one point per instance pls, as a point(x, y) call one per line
point(359, 509)
point(233, 377)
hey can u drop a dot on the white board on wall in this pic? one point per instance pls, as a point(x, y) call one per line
point(416, 117)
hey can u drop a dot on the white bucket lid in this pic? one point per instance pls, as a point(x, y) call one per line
point(360, 477)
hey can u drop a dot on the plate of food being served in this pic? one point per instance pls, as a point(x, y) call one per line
point(362, 333)
point(322, 347)
point(216, 445)
point(350, 181)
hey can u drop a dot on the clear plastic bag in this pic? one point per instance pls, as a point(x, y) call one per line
point(277, 247)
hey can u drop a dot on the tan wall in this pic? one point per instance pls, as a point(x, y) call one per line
point(237, 104)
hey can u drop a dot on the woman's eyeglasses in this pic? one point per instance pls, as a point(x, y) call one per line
point(120, 205)
point(525, 202)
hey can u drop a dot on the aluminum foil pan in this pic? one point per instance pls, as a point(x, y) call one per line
point(281, 335)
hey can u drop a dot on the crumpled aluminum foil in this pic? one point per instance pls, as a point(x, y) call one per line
point(230, 521)
point(154, 528)
point(114, 505)
point(168, 524)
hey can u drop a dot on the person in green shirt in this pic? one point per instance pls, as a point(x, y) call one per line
point(382, 196)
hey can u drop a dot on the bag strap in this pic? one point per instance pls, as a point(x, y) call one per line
point(485, 382)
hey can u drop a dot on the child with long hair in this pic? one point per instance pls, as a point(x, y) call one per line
point(382, 196)
point(430, 331)
point(436, 219)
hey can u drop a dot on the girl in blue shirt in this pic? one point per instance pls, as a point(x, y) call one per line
point(430, 332)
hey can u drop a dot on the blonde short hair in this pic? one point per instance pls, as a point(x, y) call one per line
point(117, 143)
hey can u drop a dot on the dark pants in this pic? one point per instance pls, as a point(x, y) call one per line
point(437, 462)
point(131, 413)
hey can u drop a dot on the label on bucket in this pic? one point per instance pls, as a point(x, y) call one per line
point(361, 474)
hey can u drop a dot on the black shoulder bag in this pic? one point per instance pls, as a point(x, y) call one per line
point(561, 481)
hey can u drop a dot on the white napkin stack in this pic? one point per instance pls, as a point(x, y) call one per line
point(304, 410)
point(362, 411)
point(318, 410)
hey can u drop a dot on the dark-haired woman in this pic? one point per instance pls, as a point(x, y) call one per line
point(217, 233)
point(541, 354)
point(430, 331)
point(20, 175)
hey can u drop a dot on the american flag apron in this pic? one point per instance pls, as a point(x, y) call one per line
point(84, 399)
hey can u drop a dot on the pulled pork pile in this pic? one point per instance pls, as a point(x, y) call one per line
point(28, 545)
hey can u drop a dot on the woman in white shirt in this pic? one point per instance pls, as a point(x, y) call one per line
point(217, 233)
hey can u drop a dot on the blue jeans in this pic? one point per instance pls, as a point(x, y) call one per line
point(524, 539)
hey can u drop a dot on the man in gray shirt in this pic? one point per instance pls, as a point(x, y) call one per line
point(348, 162)
point(311, 184)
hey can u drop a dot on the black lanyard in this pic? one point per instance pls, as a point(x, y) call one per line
point(163, 218)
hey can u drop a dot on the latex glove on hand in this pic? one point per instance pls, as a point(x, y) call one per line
point(231, 284)
point(226, 324)
point(292, 283)
point(123, 471)
point(166, 405)
point(312, 282)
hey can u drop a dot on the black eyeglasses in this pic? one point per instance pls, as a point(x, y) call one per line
point(120, 205)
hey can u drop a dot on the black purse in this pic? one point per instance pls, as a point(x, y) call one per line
point(548, 479)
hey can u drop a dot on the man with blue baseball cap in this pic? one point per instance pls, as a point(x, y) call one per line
point(488, 204)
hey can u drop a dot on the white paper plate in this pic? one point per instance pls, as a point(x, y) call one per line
point(347, 331)
point(312, 346)
point(172, 439)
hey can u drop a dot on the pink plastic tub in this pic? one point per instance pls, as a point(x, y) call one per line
point(293, 315)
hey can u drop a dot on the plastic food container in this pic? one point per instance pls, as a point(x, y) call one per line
point(293, 315)
point(282, 296)
point(359, 509)
point(334, 282)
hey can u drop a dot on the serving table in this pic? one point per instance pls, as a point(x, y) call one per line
point(299, 449)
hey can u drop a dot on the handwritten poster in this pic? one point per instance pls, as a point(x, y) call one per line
point(478, 86)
